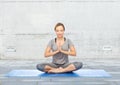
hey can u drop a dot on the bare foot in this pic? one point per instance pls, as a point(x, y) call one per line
point(57, 70)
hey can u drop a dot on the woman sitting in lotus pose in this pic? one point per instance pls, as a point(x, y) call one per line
point(59, 49)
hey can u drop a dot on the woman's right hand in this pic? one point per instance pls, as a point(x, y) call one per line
point(58, 49)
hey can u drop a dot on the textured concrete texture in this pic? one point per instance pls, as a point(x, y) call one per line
point(26, 26)
point(112, 66)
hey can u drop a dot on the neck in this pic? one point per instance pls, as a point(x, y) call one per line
point(60, 38)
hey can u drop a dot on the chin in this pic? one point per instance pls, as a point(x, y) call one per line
point(60, 36)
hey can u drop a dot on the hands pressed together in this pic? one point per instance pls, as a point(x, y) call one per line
point(59, 49)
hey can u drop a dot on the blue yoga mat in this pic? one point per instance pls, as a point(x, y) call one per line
point(78, 73)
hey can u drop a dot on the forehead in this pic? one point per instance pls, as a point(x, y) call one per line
point(59, 28)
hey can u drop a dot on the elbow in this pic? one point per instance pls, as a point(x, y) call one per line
point(45, 55)
point(73, 54)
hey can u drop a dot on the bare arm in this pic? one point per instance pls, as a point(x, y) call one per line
point(49, 53)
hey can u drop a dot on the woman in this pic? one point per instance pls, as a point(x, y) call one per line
point(59, 48)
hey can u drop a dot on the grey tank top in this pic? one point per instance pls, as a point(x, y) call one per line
point(60, 58)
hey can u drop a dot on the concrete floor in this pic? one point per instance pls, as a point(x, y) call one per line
point(112, 66)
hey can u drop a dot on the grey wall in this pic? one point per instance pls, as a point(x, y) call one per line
point(26, 26)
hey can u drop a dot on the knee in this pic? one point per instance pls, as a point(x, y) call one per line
point(40, 67)
point(78, 65)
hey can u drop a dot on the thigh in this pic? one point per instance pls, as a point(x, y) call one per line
point(51, 65)
point(77, 65)
point(41, 66)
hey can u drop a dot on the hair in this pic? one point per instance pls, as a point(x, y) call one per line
point(59, 24)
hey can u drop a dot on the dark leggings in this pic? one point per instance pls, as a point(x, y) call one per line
point(41, 67)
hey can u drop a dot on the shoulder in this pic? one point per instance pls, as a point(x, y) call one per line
point(51, 42)
point(69, 40)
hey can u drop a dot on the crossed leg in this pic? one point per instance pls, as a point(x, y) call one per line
point(69, 68)
point(48, 68)
point(51, 68)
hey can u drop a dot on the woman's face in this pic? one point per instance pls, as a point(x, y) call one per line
point(59, 31)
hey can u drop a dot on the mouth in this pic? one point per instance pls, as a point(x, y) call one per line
point(60, 35)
